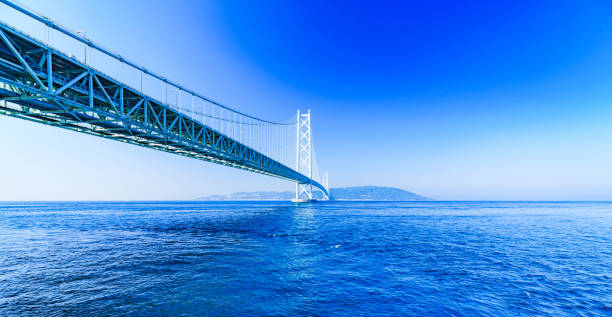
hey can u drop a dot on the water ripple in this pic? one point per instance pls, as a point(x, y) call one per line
point(341, 258)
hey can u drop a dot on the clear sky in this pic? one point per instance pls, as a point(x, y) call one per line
point(453, 100)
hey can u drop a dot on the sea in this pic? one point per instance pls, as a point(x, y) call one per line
point(322, 259)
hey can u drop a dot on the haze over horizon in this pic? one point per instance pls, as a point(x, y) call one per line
point(454, 101)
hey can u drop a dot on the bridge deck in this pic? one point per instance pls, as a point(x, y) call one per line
point(42, 84)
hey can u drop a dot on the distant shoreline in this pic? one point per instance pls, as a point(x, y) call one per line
point(356, 193)
point(284, 200)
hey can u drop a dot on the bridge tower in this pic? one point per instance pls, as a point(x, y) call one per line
point(303, 191)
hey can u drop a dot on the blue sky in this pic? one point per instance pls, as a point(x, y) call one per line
point(481, 100)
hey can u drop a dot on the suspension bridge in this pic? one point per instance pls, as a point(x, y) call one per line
point(41, 82)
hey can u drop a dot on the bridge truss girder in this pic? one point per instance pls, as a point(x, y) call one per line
point(41, 84)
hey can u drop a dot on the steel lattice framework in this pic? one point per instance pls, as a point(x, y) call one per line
point(41, 84)
point(304, 156)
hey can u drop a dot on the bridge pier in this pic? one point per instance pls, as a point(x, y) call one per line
point(303, 201)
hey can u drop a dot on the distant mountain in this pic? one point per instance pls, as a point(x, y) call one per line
point(374, 193)
point(344, 193)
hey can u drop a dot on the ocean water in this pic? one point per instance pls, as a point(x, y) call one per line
point(325, 259)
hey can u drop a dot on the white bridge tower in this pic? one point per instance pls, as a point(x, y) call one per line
point(303, 191)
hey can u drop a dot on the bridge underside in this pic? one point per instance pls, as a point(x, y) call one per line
point(40, 84)
point(51, 112)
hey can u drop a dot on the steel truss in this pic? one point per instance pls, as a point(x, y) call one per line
point(41, 84)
